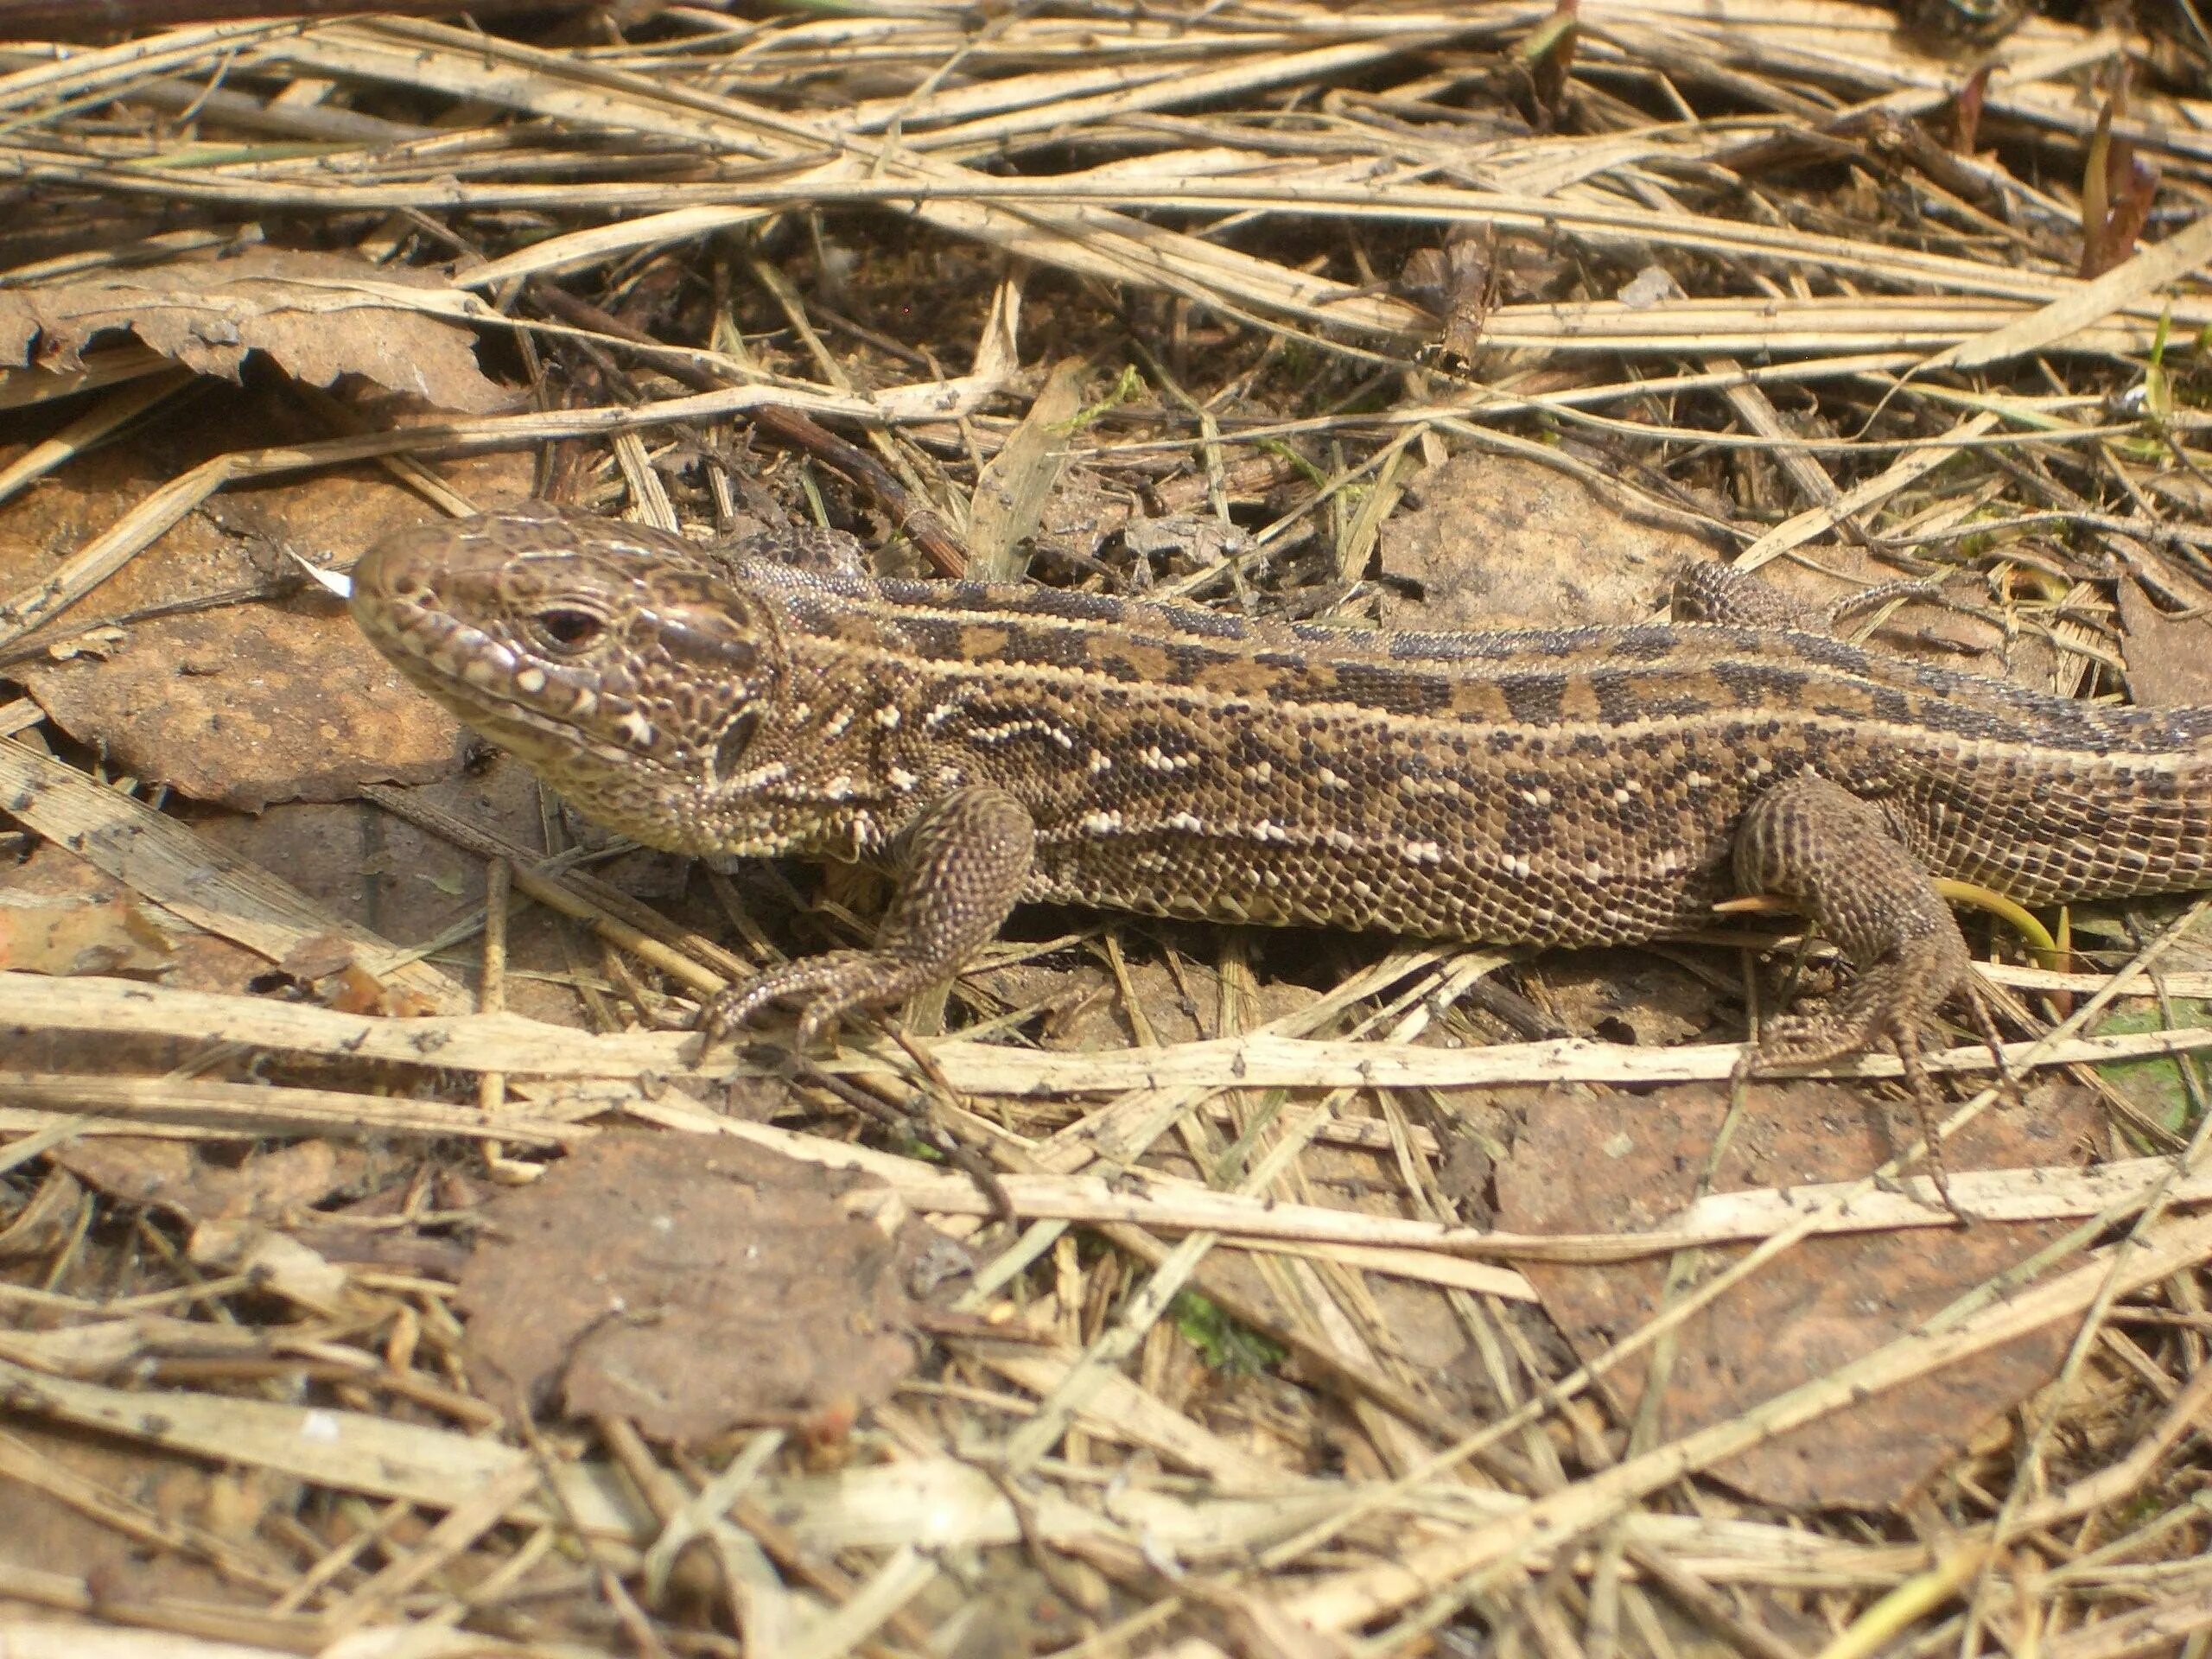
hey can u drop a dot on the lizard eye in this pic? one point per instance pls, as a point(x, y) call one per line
point(564, 628)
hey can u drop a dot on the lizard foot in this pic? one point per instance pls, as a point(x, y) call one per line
point(1808, 838)
point(1811, 1039)
point(823, 989)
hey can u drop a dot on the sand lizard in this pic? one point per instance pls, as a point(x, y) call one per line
point(995, 744)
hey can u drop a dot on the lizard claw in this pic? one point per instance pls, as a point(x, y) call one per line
point(823, 989)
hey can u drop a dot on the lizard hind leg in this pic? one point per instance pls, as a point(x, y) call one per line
point(1811, 840)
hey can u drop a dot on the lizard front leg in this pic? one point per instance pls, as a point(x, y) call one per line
point(961, 866)
point(1813, 841)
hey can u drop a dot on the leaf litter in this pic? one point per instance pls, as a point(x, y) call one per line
point(693, 1290)
point(346, 1294)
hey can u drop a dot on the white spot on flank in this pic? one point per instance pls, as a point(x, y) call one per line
point(1329, 780)
point(902, 779)
point(1101, 762)
point(1516, 865)
point(1537, 796)
point(839, 788)
point(888, 716)
point(761, 776)
point(1157, 760)
point(1014, 728)
point(1696, 780)
point(1423, 852)
point(842, 719)
point(1190, 824)
point(1261, 773)
point(938, 715)
point(1100, 823)
point(1340, 841)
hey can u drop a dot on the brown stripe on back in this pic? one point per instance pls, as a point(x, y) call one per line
point(1538, 680)
point(1762, 685)
point(1534, 699)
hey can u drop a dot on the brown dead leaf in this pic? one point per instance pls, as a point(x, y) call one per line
point(174, 1176)
point(2168, 666)
point(197, 961)
point(318, 958)
point(1616, 1163)
point(319, 315)
point(251, 704)
point(1498, 542)
point(79, 934)
point(1082, 514)
point(325, 964)
point(276, 1262)
point(691, 1284)
point(64, 1538)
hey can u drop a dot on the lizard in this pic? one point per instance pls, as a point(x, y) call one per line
point(994, 744)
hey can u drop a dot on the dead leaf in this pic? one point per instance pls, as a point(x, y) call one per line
point(1191, 540)
point(172, 1175)
point(131, 1169)
point(276, 1260)
point(691, 1284)
point(1082, 514)
point(318, 958)
point(1498, 542)
point(79, 934)
point(319, 315)
point(198, 962)
point(249, 705)
point(2167, 665)
point(1618, 1163)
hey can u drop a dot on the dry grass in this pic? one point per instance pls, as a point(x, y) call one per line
point(1877, 354)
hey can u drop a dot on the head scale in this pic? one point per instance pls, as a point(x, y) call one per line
point(630, 669)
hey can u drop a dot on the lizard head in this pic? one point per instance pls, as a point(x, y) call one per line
point(626, 666)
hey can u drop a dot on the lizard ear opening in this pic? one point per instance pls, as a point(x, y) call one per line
point(736, 738)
